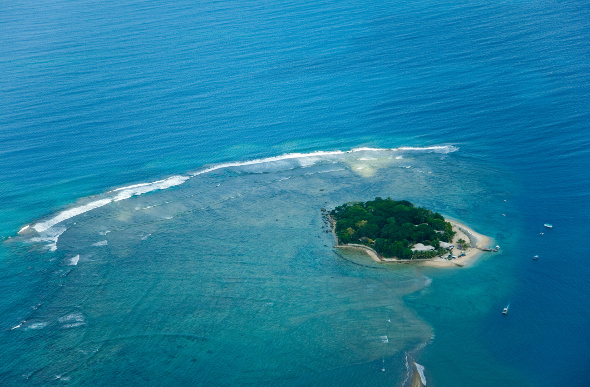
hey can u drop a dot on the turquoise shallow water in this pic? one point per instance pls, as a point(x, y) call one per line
point(228, 277)
point(229, 274)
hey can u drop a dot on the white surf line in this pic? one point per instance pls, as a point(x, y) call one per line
point(435, 148)
point(123, 193)
point(289, 156)
point(420, 369)
point(141, 188)
point(268, 159)
point(70, 213)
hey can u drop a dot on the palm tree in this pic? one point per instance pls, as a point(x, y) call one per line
point(462, 243)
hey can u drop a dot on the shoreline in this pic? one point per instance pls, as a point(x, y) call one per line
point(476, 240)
point(369, 251)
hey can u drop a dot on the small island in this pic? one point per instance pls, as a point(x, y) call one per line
point(397, 231)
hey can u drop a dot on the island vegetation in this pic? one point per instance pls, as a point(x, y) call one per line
point(391, 227)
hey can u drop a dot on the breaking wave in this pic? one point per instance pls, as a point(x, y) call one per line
point(122, 194)
point(74, 260)
point(46, 230)
point(420, 369)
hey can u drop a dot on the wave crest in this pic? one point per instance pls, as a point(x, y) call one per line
point(123, 193)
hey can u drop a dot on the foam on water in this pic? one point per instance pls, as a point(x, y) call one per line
point(74, 260)
point(420, 369)
point(122, 194)
point(408, 371)
point(101, 243)
point(70, 213)
point(304, 159)
point(288, 156)
point(139, 189)
point(73, 325)
point(316, 156)
point(72, 320)
point(37, 325)
point(50, 237)
point(445, 149)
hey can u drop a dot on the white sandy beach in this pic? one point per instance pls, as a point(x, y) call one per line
point(476, 242)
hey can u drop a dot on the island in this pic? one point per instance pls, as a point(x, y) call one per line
point(398, 231)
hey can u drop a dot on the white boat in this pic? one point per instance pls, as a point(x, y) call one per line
point(505, 311)
point(535, 257)
point(548, 225)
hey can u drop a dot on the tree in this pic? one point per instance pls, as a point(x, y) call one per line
point(393, 226)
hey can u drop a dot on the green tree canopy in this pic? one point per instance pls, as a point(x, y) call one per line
point(393, 226)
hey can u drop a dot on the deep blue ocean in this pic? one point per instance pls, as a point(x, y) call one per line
point(163, 166)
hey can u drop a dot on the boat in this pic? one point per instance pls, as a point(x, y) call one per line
point(505, 311)
point(535, 257)
point(548, 225)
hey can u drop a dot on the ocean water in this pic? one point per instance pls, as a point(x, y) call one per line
point(164, 166)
